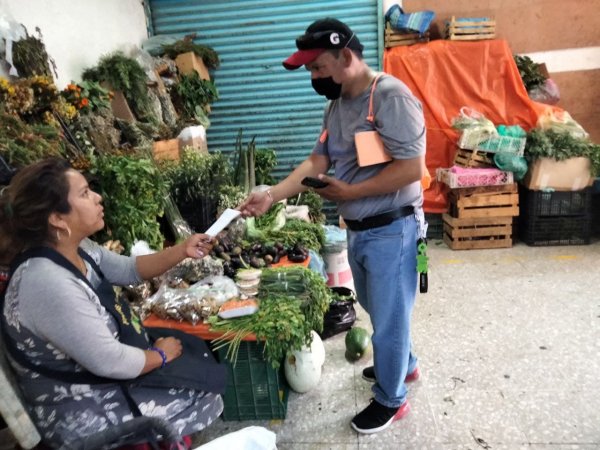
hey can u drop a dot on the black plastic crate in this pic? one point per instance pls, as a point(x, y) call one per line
point(254, 389)
point(546, 231)
point(595, 213)
point(554, 204)
point(435, 229)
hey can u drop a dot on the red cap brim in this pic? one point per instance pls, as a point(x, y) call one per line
point(302, 57)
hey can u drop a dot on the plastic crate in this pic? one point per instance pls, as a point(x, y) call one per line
point(595, 208)
point(435, 228)
point(474, 177)
point(555, 203)
point(482, 140)
point(254, 389)
point(560, 230)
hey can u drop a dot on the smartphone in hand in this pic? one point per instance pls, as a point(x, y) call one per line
point(314, 183)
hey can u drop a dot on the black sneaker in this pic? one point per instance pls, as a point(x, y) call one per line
point(377, 417)
point(369, 374)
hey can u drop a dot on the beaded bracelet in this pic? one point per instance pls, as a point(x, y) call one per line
point(162, 355)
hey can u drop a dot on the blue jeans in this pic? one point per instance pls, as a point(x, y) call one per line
point(383, 262)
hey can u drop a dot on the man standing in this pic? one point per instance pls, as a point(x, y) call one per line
point(380, 203)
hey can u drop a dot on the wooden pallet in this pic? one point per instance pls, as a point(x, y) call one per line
point(470, 30)
point(477, 233)
point(393, 38)
point(473, 158)
point(484, 201)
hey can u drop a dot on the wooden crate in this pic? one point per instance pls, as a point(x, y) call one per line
point(393, 38)
point(477, 233)
point(484, 201)
point(473, 158)
point(470, 30)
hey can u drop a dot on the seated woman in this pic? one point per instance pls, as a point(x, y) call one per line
point(83, 360)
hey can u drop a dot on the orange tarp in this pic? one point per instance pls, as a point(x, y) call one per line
point(447, 75)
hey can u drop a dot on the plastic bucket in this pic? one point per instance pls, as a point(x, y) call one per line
point(338, 269)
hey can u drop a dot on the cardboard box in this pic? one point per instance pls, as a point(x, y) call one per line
point(169, 149)
point(188, 62)
point(120, 107)
point(569, 175)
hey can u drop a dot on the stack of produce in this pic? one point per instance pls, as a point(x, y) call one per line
point(293, 301)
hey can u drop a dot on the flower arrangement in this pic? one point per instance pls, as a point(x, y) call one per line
point(87, 96)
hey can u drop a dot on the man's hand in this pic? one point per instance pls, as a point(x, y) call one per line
point(256, 204)
point(337, 189)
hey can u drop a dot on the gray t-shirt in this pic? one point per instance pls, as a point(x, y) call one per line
point(57, 307)
point(400, 123)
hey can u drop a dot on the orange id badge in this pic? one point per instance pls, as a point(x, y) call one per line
point(370, 149)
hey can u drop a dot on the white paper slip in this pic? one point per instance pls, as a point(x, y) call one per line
point(224, 220)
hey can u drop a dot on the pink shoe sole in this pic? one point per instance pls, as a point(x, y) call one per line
point(402, 411)
point(413, 376)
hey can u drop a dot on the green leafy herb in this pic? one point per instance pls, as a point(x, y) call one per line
point(266, 161)
point(126, 75)
point(530, 72)
point(561, 146)
point(132, 189)
point(194, 94)
point(185, 45)
point(293, 302)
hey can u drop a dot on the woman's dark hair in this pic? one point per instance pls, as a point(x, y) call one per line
point(35, 192)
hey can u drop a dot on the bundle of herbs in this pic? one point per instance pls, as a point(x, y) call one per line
point(274, 227)
point(293, 302)
point(209, 57)
point(561, 146)
point(22, 144)
point(124, 74)
point(530, 72)
point(192, 95)
point(132, 189)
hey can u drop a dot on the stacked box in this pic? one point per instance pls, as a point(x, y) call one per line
point(555, 218)
point(255, 390)
point(481, 217)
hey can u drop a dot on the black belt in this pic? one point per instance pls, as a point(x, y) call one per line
point(380, 220)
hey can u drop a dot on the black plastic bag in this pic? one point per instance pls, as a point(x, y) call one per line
point(341, 314)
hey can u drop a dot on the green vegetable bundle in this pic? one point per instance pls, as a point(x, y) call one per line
point(561, 146)
point(293, 301)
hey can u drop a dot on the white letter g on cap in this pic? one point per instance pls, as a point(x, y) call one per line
point(334, 38)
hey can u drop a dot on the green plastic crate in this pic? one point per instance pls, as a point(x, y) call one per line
point(254, 389)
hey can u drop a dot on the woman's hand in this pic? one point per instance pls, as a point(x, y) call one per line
point(198, 245)
point(171, 346)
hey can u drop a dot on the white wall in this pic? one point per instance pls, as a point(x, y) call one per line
point(77, 32)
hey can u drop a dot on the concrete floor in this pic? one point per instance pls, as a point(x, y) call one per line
point(509, 348)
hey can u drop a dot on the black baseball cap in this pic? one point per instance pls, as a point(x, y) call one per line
point(321, 35)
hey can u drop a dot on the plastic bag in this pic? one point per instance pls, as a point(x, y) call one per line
point(473, 119)
point(341, 314)
point(195, 302)
point(561, 122)
point(547, 93)
point(511, 163)
point(154, 44)
point(249, 438)
point(195, 137)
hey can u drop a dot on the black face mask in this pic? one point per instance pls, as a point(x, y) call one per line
point(327, 87)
